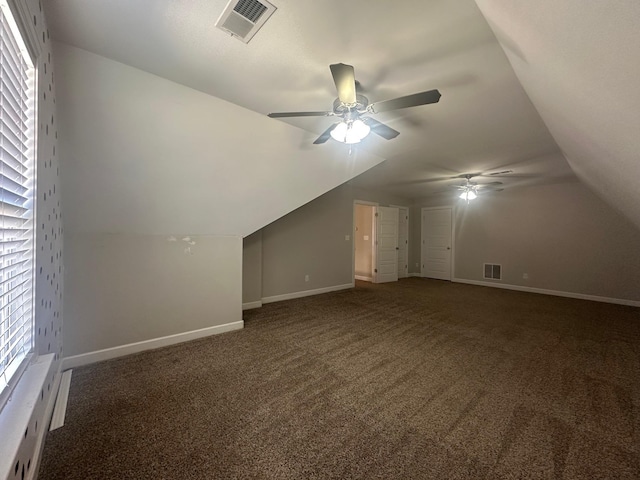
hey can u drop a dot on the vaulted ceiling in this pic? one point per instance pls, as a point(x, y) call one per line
point(534, 86)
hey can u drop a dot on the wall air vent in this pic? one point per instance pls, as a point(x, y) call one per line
point(243, 18)
point(493, 271)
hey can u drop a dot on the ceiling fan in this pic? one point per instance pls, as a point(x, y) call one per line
point(354, 109)
point(470, 190)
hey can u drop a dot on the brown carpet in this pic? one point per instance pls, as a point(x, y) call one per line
point(418, 379)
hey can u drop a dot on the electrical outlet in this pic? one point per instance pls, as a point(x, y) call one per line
point(347, 237)
point(525, 276)
point(306, 278)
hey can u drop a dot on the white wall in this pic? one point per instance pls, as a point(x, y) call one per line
point(49, 272)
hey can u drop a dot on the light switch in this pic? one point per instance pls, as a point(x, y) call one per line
point(347, 237)
point(366, 237)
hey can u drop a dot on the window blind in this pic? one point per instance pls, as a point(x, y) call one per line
point(17, 185)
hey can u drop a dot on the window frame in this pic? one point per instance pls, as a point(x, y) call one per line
point(27, 30)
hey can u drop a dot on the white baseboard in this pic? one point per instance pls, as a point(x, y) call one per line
point(307, 293)
point(363, 278)
point(250, 305)
point(122, 350)
point(557, 293)
point(60, 409)
point(415, 275)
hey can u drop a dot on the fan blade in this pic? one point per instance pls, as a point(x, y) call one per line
point(381, 129)
point(325, 135)
point(299, 114)
point(489, 184)
point(496, 173)
point(422, 98)
point(345, 79)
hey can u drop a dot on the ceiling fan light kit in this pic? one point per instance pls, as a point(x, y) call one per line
point(350, 132)
point(469, 191)
point(468, 195)
point(354, 109)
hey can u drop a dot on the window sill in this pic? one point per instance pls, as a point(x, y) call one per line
point(18, 411)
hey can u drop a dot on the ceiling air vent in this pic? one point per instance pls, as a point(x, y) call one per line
point(243, 18)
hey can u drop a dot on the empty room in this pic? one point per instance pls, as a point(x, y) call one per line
point(319, 240)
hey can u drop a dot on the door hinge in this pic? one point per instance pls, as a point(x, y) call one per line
point(375, 270)
point(406, 241)
point(376, 214)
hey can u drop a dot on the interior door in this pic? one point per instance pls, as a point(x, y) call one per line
point(403, 242)
point(386, 219)
point(436, 243)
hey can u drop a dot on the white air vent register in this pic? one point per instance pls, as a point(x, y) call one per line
point(492, 271)
point(243, 18)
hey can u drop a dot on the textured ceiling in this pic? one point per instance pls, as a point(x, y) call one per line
point(484, 122)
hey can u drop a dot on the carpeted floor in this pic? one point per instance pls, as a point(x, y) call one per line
point(419, 379)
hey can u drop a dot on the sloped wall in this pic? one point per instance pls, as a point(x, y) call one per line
point(578, 62)
point(148, 156)
point(145, 159)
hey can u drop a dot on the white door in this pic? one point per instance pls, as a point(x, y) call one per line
point(386, 269)
point(436, 243)
point(403, 242)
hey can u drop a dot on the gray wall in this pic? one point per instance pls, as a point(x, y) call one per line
point(252, 268)
point(311, 241)
point(143, 158)
point(563, 236)
point(128, 288)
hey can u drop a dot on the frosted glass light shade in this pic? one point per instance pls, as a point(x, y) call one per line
point(468, 195)
point(350, 132)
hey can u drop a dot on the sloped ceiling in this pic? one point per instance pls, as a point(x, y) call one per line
point(484, 122)
point(187, 164)
point(579, 63)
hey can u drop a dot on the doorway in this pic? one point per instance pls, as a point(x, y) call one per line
point(363, 241)
point(376, 254)
point(403, 242)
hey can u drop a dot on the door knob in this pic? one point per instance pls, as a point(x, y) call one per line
point(448, 248)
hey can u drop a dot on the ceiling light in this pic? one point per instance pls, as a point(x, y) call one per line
point(351, 131)
point(468, 194)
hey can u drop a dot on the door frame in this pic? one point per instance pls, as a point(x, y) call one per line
point(453, 237)
point(408, 209)
point(353, 238)
point(376, 225)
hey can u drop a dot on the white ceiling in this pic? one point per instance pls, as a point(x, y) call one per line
point(484, 122)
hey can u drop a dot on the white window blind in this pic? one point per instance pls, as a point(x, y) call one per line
point(17, 185)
